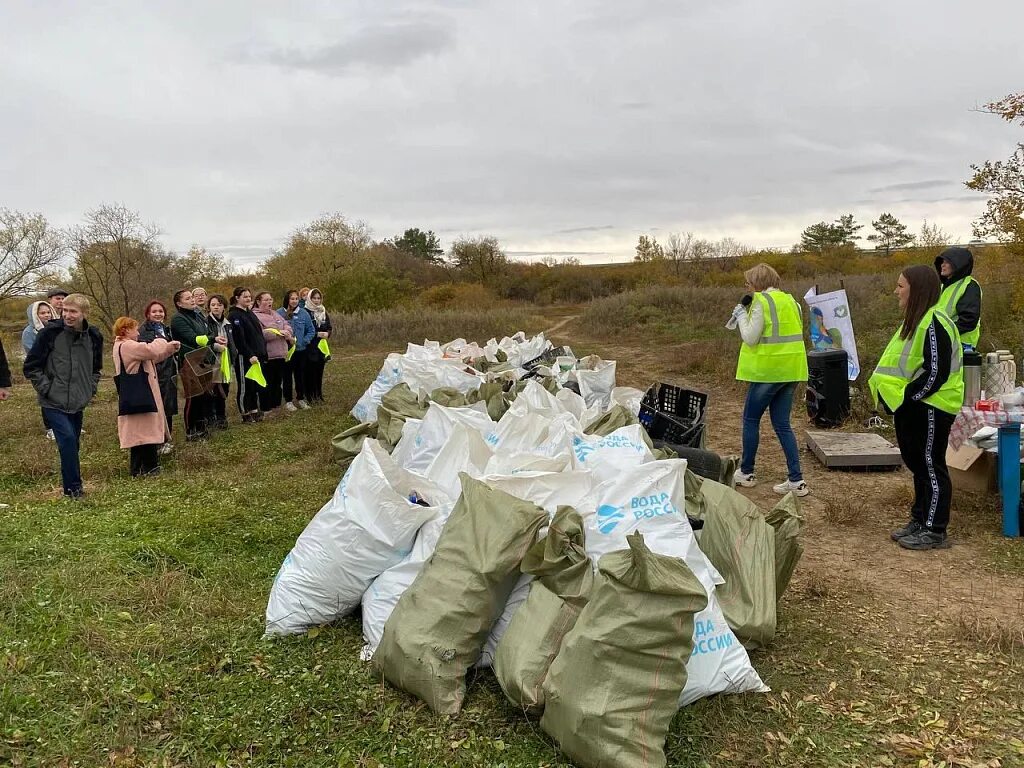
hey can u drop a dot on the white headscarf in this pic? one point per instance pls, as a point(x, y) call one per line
point(33, 313)
point(319, 313)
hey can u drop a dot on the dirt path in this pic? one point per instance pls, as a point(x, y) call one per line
point(848, 517)
point(560, 325)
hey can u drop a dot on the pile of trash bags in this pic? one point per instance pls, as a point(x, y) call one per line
point(504, 510)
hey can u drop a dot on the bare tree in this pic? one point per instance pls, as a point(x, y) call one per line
point(31, 252)
point(118, 262)
point(931, 242)
point(678, 249)
point(727, 248)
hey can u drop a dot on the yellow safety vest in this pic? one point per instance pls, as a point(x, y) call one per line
point(779, 356)
point(903, 361)
point(950, 297)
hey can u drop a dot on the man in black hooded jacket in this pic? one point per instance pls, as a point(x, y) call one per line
point(961, 294)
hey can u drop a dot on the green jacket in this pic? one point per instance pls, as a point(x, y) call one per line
point(64, 365)
point(190, 328)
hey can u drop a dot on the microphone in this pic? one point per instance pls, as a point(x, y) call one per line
point(746, 301)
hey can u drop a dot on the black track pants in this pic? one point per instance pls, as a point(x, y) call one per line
point(922, 433)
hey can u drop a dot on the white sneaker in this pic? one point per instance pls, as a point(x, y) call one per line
point(303, 405)
point(290, 407)
point(49, 435)
point(164, 449)
point(799, 488)
point(741, 478)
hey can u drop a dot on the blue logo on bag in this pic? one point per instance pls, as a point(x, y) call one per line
point(581, 448)
point(608, 517)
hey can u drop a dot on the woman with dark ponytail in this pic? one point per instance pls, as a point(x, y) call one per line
point(250, 349)
point(920, 380)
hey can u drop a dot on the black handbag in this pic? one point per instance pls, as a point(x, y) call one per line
point(134, 395)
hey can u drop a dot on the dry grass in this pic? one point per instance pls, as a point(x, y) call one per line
point(397, 327)
point(841, 510)
point(991, 634)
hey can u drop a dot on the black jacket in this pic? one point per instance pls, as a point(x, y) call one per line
point(325, 327)
point(5, 370)
point(151, 331)
point(968, 309)
point(938, 354)
point(224, 329)
point(247, 333)
point(64, 365)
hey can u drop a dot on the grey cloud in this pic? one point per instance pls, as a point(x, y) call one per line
point(912, 185)
point(576, 230)
point(866, 168)
point(519, 120)
point(377, 47)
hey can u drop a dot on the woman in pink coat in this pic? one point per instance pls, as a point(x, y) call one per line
point(278, 334)
point(142, 433)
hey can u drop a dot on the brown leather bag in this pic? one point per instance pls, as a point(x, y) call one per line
point(198, 371)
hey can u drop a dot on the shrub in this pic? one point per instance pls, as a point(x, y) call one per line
point(396, 327)
point(363, 287)
point(457, 296)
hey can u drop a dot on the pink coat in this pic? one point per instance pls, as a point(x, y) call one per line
point(277, 343)
point(142, 428)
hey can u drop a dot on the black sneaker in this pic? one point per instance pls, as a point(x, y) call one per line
point(907, 530)
point(925, 539)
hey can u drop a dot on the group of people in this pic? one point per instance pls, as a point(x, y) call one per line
point(274, 358)
point(277, 357)
point(919, 378)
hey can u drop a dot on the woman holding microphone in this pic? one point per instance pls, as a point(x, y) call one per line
point(920, 380)
point(773, 360)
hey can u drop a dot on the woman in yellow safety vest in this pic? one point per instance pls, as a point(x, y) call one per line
point(919, 379)
point(774, 360)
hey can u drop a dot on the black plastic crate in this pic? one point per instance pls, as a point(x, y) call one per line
point(685, 404)
point(676, 431)
point(546, 357)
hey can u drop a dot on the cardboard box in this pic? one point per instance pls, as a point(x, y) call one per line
point(972, 469)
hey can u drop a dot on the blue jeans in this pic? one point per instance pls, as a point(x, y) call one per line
point(777, 399)
point(67, 428)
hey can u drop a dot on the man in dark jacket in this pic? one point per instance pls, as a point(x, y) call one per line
point(5, 374)
point(961, 294)
point(64, 367)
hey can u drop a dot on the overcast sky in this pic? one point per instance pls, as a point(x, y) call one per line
point(559, 127)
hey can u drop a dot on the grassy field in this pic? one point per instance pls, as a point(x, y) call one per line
point(131, 623)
